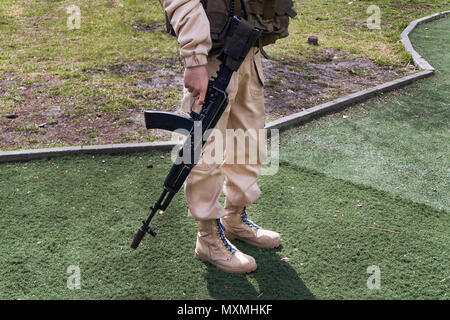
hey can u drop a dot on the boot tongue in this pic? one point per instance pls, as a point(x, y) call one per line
point(245, 220)
point(225, 242)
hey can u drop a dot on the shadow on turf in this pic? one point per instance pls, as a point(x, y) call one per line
point(276, 279)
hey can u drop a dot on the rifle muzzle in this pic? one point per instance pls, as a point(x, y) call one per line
point(140, 234)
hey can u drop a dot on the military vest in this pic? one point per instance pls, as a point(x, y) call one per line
point(271, 16)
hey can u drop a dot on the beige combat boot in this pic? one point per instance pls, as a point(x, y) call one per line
point(238, 226)
point(212, 246)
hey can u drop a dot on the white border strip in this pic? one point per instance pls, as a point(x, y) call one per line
point(280, 124)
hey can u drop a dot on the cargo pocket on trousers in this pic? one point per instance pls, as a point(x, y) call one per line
point(258, 89)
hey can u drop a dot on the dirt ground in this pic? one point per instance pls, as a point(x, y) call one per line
point(46, 120)
point(291, 88)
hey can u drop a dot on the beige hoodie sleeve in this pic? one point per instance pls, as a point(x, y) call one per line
point(189, 20)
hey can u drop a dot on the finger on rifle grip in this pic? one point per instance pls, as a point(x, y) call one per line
point(201, 98)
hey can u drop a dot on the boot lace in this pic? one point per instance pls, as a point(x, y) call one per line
point(220, 232)
point(245, 219)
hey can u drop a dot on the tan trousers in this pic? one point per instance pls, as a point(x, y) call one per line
point(205, 183)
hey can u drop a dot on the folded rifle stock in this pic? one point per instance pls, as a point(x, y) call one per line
point(239, 37)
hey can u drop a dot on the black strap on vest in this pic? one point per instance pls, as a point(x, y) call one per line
point(241, 37)
point(259, 42)
point(231, 12)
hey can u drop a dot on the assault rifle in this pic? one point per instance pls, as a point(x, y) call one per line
point(239, 37)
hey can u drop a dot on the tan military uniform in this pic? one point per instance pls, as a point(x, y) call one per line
point(205, 183)
point(245, 111)
point(189, 20)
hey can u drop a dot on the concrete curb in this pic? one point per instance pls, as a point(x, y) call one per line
point(24, 155)
point(280, 124)
point(345, 101)
point(417, 58)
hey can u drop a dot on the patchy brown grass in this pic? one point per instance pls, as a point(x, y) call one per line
point(91, 86)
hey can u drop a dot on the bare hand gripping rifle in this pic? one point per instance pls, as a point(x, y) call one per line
point(239, 38)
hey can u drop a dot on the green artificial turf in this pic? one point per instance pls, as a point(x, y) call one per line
point(397, 142)
point(83, 211)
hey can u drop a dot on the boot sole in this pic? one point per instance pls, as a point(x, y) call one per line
point(205, 259)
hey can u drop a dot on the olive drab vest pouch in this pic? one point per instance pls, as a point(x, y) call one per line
point(270, 16)
point(169, 27)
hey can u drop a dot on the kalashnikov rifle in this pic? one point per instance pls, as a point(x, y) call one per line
point(238, 38)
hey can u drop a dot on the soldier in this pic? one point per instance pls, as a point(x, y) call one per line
point(197, 25)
